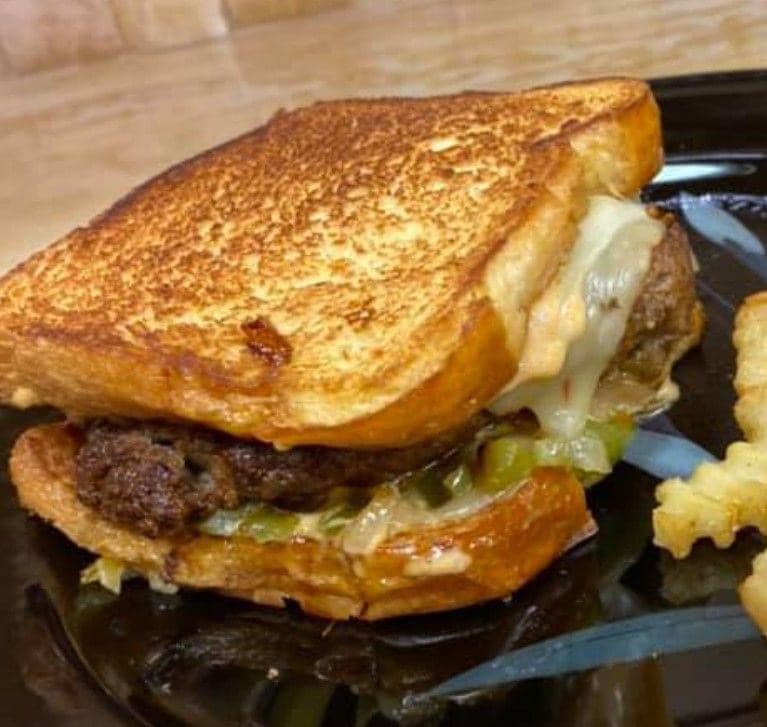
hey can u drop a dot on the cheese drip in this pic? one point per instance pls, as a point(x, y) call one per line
point(577, 324)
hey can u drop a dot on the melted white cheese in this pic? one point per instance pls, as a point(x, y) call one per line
point(576, 325)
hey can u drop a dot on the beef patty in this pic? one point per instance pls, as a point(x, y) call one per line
point(667, 318)
point(160, 478)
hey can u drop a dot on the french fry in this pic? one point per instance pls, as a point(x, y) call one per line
point(721, 498)
point(751, 377)
point(753, 592)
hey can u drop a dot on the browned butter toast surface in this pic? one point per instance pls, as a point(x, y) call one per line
point(353, 273)
point(488, 553)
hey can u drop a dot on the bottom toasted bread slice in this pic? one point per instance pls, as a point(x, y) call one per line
point(484, 555)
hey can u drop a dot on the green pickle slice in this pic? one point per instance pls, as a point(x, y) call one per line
point(503, 462)
point(260, 522)
point(496, 465)
point(615, 434)
point(425, 487)
point(508, 460)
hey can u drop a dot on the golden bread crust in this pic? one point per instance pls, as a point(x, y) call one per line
point(353, 273)
point(507, 544)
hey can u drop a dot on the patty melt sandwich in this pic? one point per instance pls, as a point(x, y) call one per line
point(364, 358)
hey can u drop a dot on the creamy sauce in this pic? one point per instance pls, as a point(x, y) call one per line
point(438, 562)
point(575, 327)
point(389, 512)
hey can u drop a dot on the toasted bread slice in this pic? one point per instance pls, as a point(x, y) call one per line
point(354, 273)
point(463, 561)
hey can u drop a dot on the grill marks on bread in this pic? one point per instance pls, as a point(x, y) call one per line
point(361, 230)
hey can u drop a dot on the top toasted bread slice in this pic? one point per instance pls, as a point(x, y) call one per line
point(353, 273)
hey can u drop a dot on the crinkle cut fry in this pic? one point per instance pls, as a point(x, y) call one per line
point(749, 338)
point(753, 592)
point(724, 497)
point(719, 499)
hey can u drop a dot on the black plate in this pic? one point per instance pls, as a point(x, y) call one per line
point(77, 655)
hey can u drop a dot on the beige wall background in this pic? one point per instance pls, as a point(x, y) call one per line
point(40, 34)
point(97, 95)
